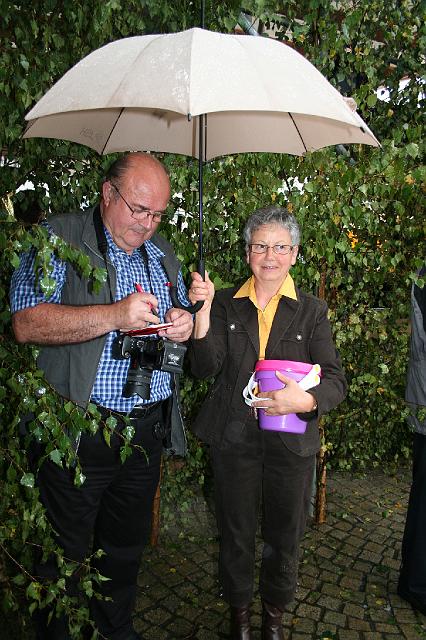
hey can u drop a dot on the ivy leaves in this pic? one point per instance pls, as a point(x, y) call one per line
point(361, 212)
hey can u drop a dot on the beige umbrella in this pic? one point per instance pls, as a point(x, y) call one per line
point(142, 93)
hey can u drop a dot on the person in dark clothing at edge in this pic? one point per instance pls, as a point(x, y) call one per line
point(412, 577)
point(76, 328)
point(267, 317)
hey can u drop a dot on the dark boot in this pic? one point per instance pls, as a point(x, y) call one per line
point(240, 623)
point(271, 622)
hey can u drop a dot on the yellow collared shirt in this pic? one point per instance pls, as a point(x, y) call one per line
point(266, 316)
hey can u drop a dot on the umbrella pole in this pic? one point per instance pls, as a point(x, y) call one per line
point(202, 13)
point(201, 150)
point(201, 147)
point(201, 267)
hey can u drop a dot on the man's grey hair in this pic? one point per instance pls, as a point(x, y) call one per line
point(272, 215)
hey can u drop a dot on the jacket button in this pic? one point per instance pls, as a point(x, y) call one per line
point(232, 326)
point(299, 337)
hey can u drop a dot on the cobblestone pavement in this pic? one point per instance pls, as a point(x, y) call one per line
point(348, 572)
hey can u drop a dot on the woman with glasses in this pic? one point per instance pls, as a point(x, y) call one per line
point(258, 471)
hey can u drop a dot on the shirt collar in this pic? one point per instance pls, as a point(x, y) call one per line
point(154, 252)
point(287, 289)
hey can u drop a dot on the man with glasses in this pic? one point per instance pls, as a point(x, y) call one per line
point(271, 472)
point(76, 328)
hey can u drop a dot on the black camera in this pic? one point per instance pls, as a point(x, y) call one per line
point(146, 355)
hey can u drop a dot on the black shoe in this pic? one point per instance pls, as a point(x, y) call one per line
point(271, 622)
point(412, 599)
point(240, 624)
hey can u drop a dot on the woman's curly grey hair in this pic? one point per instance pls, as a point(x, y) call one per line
point(272, 215)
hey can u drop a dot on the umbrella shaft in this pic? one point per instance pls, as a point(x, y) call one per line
point(200, 193)
point(202, 13)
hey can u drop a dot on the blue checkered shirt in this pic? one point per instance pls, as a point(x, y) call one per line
point(130, 269)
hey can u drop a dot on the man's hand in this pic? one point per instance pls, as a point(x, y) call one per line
point(136, 311)
point(182, 325)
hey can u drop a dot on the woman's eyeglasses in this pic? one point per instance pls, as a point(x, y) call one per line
point(280, 249)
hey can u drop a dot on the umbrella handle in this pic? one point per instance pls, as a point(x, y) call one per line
point(193, 308)
point(175, 300)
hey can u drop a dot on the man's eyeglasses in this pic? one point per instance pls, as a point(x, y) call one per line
point(141, 211)
point(280, 249)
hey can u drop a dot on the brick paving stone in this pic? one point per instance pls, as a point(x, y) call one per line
point(325, 552)
point(386, 628)
point(374, 547)
point(330, 589)
point(328, 576)
point(308, 582)
point(349, 581)
point(309, 612)
point(313, 597)
point(323, 628)
point(369, 556)
point(356, 611)
point(361, 566)
point(305, 625)
point(336, 533)
point(403, 616)
point(339, 619)
point(347, 634)
point(355, 597)
point(410, 632)
point(328, 602)
point(310, 570)
point(359, 625)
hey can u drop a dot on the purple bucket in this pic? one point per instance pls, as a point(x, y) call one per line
point(268, 381)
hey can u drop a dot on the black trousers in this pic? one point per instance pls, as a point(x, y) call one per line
point(262, 475)
point(110, 511)
point(412, 577)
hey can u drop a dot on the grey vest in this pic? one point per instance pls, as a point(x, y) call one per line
point(71, 368)
point(415, 393)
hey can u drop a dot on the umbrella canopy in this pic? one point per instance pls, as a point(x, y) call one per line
point(142, 93)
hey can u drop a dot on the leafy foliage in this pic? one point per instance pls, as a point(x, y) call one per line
point(360, 210)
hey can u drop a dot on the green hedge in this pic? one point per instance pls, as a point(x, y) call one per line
point(360, 210)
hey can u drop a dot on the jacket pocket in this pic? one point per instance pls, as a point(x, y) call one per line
point(238, 339)
point(294, 347)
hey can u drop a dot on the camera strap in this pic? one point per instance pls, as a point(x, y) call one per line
point(102, 244)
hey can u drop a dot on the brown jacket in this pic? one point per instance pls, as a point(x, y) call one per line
point(229, 352)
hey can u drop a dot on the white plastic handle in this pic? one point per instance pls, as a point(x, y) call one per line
point(312, 379)
point(248, 395)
